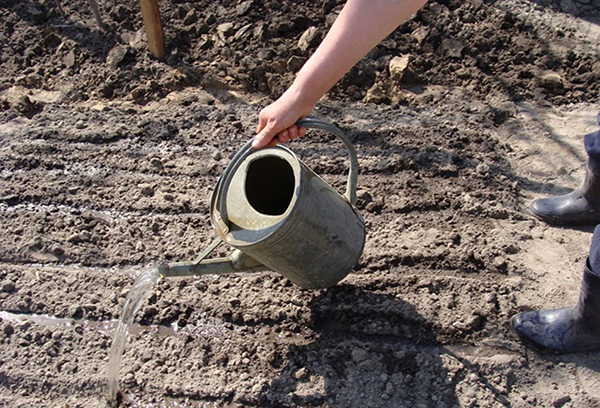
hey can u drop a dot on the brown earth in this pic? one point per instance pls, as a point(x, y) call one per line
point(109, 158)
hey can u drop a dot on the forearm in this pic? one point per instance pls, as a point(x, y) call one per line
point(361, 25)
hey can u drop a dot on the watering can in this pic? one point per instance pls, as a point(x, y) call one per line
point(280, 216)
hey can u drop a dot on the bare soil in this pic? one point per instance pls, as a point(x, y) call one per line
point(109, 158)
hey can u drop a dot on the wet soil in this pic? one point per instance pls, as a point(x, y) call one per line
point(109, 158)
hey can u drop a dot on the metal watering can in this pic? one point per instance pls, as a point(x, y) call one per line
point(281, 216)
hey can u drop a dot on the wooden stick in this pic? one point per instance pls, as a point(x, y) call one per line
point(96, 13)
point(154, 30)
point(60, 9)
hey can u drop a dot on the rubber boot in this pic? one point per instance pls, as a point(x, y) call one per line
point(581, 206)
point(570, 329)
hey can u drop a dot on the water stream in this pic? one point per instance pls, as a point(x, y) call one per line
point(136, 296)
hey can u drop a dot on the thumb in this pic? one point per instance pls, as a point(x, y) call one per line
point(262, 122)
point(263, 138)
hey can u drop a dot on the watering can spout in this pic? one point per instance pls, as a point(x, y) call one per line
point(236, 262)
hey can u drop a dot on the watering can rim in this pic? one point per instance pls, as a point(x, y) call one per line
point(281, 220)
point(218, 208)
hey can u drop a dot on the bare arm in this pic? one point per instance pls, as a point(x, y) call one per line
point(361, 25)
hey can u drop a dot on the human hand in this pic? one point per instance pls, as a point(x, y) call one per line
point(276, 122)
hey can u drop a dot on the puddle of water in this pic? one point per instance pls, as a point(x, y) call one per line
point(42, 320)
point(108, 327)
point(136, 296)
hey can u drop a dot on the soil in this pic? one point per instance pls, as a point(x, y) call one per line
point(109, 158)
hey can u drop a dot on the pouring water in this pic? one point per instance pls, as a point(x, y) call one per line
point(136, 296)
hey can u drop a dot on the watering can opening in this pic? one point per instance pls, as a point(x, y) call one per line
point(260, 197)
point(270, 184)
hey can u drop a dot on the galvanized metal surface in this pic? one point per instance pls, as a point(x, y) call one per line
point(281, 216)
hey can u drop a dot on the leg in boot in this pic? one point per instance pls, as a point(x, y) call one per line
point(581, 206)
point(570, 329)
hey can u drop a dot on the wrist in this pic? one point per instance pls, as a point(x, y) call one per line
point(301, 97)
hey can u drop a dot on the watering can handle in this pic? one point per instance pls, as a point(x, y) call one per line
point(225, 180)
point(353, 171)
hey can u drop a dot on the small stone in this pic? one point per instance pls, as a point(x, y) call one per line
point(500, 262)
point(156, 162)
point(295, 63)
point(550, 80)
point(389, 388)
point(225, 30)
point(561, 401)
point(129, 379)
point(24, 326)
point(8, 330)
point(259, 32)
point(243, 33)
point(58, 251)
point(8, 287)
point(74, 239)
point(420, 34)
point(147, 190)
point(301, 373)
point(69, 59)
point(265, 54)
point(359, 355)
point(309, 38)
point(398, 66)
point(24, 104)
point(52, 351)
point(453, 48)
point(211, 19)
point(116, 55)
point(376, 94)
point(368, 365)
point(190, 18)
point(138, 92)
point(243, 8)
point(482, 169)
point(473, 377)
